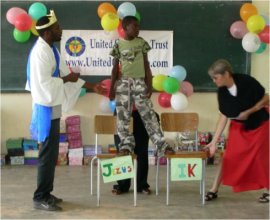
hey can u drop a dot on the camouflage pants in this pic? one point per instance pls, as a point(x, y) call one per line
point(131, 91)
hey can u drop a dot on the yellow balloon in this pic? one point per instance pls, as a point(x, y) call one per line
point(158, 81)
point(255, 24)
point(33, 28)
point(109, 21)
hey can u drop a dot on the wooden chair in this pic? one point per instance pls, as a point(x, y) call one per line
point(181, 122)
point(106, 125)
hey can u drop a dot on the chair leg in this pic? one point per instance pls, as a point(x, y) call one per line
point(203, 181)
point(168, 181)
point(157, 176)
point(98, 182)
point(135, 182)
point(91, 174)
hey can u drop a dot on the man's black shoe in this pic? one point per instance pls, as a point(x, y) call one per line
point(48, 205)
point(55, 199)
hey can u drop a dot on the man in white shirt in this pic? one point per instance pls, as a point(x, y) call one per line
point(52, 87)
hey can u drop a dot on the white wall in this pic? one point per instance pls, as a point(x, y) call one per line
point(16, 108)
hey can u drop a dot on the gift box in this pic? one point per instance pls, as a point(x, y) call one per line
point(62, 125)
point(63, 138)
point(16, 152)
point(89, 150)
point(29, 144)
point(75, 144)
point(74, 136)
point(63, 147)
point(14, 143)
point(3, 160)
point(151, 160)
point(162, 161)
point(75, 161)
point(77, 152)
point(73, 128)
point(62, 159)
point(17, 160)
point(31, 153)
point(112, 149)
point(87, 160)
point(73, 120)
point(30, 161)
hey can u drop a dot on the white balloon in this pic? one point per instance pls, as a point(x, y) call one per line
point(179, 101)
point(251, 42)
point(104, 105)
point(126, 9)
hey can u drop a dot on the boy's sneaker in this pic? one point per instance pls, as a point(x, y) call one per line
point(55, 199)
point(47, 205)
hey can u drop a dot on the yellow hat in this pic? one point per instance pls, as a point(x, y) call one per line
point(52, 20)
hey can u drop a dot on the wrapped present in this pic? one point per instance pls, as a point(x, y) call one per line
point(16, 152)
point(31, 153)
point(89, 150)
point(63, 147)
point(75, 144)
point(74, 136)
point(29, 144)
point(73, 120)
point(62, 159)
point(17, 160)
point(73, 128)
point(151, 160)
point(13, 143)
point(62, 125)
point(87, 160)
point(63, 138)
point(30, 161)
point(151, 152)
point(162, 161)
point(112, 149)
point(3, 160)
point(75, 161)
point(77, 152)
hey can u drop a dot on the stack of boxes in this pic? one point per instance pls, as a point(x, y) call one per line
point(74, 137)
point(30, 148)
point(63, 144)
point(15, 151)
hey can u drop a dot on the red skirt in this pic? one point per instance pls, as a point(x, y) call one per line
point(246, 159)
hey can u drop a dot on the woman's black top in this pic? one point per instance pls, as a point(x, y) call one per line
point(249, 92)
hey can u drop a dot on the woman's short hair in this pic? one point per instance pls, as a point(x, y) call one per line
point(220, 67)
point(127, 20)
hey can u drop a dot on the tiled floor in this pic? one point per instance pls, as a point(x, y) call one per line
point(72, 184)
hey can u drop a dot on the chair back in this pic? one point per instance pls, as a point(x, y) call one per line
point(179, 122)
point(107, 124)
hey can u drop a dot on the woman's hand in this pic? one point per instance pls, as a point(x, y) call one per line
point(211, 148)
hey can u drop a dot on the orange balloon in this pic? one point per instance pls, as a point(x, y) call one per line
point(247, 10)
point(104, 8)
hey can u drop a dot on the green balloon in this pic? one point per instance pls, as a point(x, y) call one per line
point(21, 36)
point(138, 16)
point(171, 85)
point(261, 48)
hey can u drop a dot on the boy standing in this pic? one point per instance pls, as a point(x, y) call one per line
point(134, 85)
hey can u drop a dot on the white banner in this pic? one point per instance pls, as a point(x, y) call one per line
point(87, 51)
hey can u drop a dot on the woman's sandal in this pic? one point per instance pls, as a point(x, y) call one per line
point(264, 198)
point(211, 195)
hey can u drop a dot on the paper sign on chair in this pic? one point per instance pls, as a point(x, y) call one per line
point(117, 168)
point(183, 169)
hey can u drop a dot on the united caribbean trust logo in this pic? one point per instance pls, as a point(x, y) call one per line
point(75, 46)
